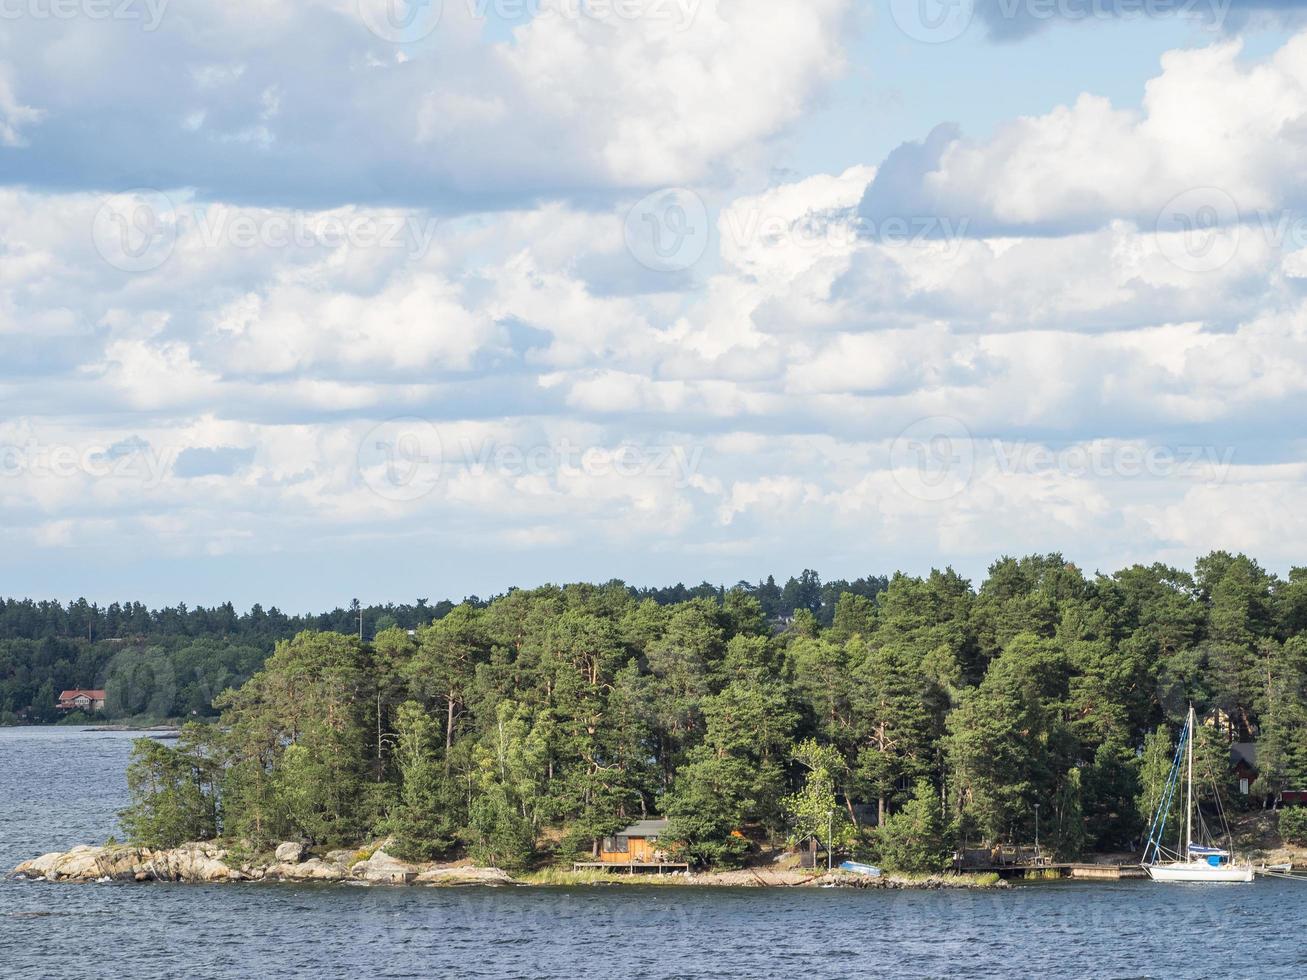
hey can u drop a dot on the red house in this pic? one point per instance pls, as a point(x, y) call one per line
point(1243, 763)
point(80, 699)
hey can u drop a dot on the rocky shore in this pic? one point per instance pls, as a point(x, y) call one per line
point(207, 863)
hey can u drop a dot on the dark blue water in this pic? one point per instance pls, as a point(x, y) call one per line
point(61, 787)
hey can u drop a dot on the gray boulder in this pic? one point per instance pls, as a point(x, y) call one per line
point(290, 852)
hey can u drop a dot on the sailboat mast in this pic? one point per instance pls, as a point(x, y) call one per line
point(1189, 792)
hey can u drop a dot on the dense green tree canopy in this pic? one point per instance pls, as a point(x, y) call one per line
point(538, 721)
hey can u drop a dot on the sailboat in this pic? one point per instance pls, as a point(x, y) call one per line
point(1194, 860)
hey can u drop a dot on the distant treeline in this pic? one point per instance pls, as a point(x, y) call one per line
point(929, 715)
point(172, 662)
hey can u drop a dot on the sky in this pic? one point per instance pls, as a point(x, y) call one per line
point(307, 301)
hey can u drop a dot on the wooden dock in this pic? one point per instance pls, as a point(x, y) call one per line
point(1113, 872)
point(631, 867)
point(1087, 872)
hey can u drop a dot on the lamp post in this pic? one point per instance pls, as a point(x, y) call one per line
point(830, 839)
point(1036, 832)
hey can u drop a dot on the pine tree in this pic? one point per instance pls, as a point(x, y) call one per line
point(916, 838)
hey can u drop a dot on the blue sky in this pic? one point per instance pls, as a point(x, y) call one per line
point(305, 302)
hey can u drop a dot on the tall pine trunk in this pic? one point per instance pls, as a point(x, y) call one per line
point(449, 730)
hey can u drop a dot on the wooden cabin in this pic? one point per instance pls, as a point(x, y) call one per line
point(632, 849)
point(637, 844)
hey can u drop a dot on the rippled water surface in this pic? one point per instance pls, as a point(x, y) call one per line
point(60, 787)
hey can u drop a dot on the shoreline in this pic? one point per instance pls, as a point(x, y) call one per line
point(208, 863)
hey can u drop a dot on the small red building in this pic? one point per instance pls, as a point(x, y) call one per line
point(82, 700)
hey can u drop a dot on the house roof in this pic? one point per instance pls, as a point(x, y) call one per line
point(93, 695)
point(1245, 752)
point(646, 828)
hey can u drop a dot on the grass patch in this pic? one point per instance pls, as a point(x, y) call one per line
point(239, 854)
point(969, 879)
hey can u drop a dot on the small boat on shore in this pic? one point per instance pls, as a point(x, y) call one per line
point(857, 868)
point(1192, 860)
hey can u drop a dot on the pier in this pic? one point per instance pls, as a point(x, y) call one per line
point(1030, 862)
point(1095, 872)
point(631, 867)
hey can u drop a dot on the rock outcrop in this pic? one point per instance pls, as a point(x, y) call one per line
point(382, 869)
point(464, 876)
point(190, 862)
point(210, 863)
point(290, 852)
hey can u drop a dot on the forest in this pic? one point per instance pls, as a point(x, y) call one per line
point(160, 664)
point(901, 723)
point(901, 718)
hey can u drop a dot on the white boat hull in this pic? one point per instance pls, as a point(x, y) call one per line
point(1199, 871)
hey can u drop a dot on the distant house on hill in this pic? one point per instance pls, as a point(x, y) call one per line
point(1243, 763)
point(81, 700)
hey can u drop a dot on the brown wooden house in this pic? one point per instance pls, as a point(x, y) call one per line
point(637, 844)
point(635, 848)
